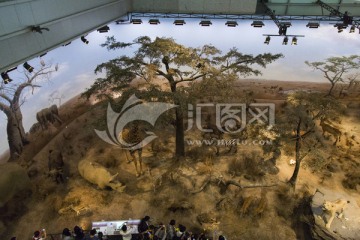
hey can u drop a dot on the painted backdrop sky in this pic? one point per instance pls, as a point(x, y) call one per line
point(77, 61)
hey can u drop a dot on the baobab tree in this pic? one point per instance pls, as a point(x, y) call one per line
point(334, 68)
point(10, 104)
point(165, 59)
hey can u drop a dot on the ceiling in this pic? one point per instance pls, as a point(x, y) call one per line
point(68, 20)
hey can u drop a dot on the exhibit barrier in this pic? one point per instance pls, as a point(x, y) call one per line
point(111, 228)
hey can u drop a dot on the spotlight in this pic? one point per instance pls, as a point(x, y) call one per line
point(66, 44)
point(285, 42)
point(231, 23)
point(352, 29)
point(154, 21)
point(28, 67)
point(6, 77)
point(84, 40)
point(340, 27)
point(313, 25)
point(179, 22)
point(258, 24)
point(282, 30)
point(136, 21)
point(103, 29)
point(267, 40)
point(294, 41)
point(205, 23)
point(120, 21)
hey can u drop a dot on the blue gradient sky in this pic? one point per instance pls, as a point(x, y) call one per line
point(77, 61)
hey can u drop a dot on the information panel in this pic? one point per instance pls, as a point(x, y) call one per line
point(113, 227)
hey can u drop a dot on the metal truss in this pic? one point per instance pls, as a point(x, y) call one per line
point(238, 17)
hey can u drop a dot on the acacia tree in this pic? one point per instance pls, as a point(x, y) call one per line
point(10, 105)
point(334, 68)
point(165, 59)
point(299, 123)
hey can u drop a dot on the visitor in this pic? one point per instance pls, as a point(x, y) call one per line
point(203, 237)
point(78, 233)
point(221, 237)
point(126, 232)
point(39, 235)
point(13, 238)
point(92, 235)
point(180, 233)
point(143, 228)
point(171, 230)
point(100, 236)
point(66, 234)
point(160, 233)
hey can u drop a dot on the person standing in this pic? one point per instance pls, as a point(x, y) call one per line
point(126, 232)
point(161, 232)
point(143, 228)
point(66, 234)
point(171, 231)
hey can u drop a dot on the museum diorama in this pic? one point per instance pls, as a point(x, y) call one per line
point(171, 141)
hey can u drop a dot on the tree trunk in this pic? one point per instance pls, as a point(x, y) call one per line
point(331, 89)
point(293, 178)
point(180, 145)
point(179, 123)
point(14, 136)
point(19, 118)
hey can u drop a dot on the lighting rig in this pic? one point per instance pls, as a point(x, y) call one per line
point(283, 26)
point(345, 18)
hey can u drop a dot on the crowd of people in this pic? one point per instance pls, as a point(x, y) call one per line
point(145, 231)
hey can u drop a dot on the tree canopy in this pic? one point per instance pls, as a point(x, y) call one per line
point(334, 68)
point(164, 58)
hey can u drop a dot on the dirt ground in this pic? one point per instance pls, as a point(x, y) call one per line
point(170, 189)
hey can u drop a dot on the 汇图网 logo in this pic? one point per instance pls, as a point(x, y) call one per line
point(229, 118)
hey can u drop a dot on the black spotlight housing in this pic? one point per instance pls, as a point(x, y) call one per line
point(231, 23)
point(103, 29)
point(28, 67)
point(205, 23)
point(285, 41)
point(154, 21)
point(84, 40)
point(267, 40)
point(6, 77)
point(136, 21)
point(179, 22)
